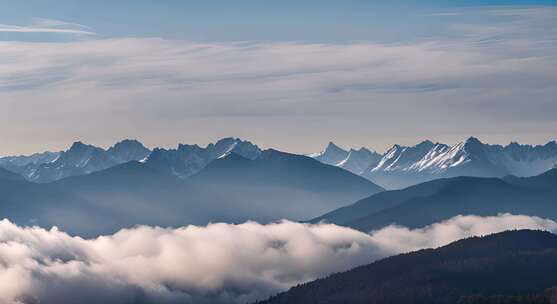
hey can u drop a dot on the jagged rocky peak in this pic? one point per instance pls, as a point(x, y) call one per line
point(473, 144)
point(426, 144)
point(473, 140)
point(187, 159)
point(359, 160)
point(227, 145)
point(79, 146)
point(361, 151)
point(78, 153)
point(128, 144)
point(333, 148)
point(332, 155)
point(128, 150)
point(17, 163)
point(187, 147)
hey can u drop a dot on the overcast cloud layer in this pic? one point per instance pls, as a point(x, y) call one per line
point(494, 80)
point(219, 263)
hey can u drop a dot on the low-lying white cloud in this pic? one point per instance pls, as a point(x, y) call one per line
point(218, 263)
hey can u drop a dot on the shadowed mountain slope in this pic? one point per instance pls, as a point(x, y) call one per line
point(232, 189)
point(441, 199)
point(508, 267)
point(9, 175)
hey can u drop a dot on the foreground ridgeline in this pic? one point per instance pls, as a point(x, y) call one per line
point(504, 268)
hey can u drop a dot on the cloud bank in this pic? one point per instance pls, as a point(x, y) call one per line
point(218, 263)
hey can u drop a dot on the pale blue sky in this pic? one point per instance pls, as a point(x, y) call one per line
point(287, 74)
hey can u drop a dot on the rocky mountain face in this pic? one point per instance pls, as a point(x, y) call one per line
point(355, 161)
point(82, 158)
point(403, 166)
point(79, 159)
point(187, 160)
point(399, 167)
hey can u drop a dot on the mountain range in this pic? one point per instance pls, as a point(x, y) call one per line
point(79, 159)
point(403, 166)
point(232, 188)
point(504, 268)
point(187, 160)
point(88, 189)
point(82, 159)
point(399, 167)
point(440, 199)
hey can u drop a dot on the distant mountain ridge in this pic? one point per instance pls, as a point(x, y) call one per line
point(79, 159)
point(188, 160)
point(83, 158)
point(399, 167)
point(403, 166)
point(355, 161)
point(231, 189)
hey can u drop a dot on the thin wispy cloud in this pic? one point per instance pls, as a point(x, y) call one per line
point(348, 92)
point(444, 14)
point(41, 25)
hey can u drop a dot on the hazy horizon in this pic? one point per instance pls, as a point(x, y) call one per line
point(319, 148)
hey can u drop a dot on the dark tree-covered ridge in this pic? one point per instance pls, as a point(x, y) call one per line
point(508, 267)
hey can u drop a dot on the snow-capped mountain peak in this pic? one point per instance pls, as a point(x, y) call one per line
point(402, 158)
point(353, 160)
point(80, 159)
point(225, 146)
point(402, 166)
point(190, 159)
point(332, 155)
point(359, 160)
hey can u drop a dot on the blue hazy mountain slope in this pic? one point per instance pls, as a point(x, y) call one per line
point(283, 184)
point(9, 175)
point(232, 189)
point(508, 267)
point(434, 201)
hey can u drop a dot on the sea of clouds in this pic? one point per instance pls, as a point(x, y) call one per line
point(217, 263)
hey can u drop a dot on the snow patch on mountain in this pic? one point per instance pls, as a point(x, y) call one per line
point(355, 161)
point(403, 166)
point(79, 159)
point(187, 160)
